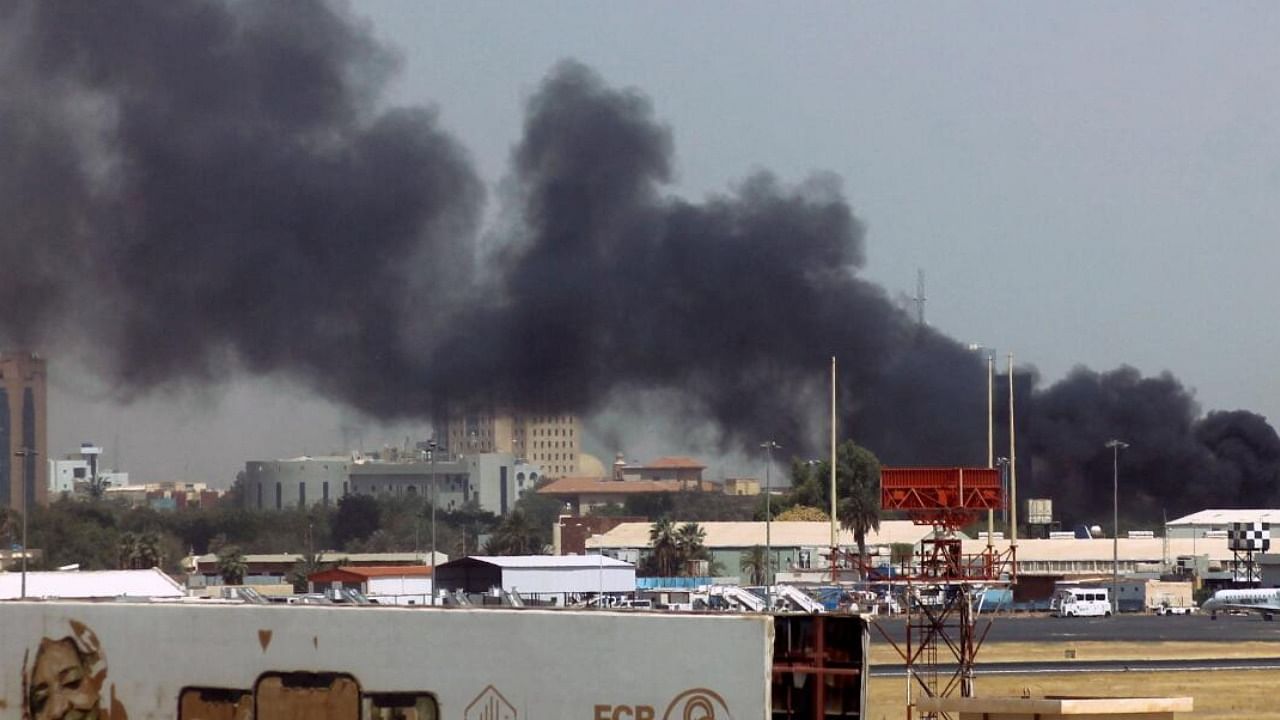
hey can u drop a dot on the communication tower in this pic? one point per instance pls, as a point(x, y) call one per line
point(940, 584)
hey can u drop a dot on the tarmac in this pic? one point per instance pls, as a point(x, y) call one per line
point(1119, 628)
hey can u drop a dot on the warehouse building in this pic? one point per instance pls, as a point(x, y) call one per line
point(541, 577)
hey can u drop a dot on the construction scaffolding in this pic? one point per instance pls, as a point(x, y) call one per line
point(939, 584)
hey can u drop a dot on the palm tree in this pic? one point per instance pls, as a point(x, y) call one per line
point(231, 565)
point(665, 546)
point(127, 551)
point(754, 563)
point(149, 554)
point(858, 485)
point(689, 545)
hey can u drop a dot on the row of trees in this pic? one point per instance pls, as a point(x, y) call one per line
point(103, 534)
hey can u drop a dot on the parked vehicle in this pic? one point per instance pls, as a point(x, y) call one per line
point(1081, 602)
point(1176, 610)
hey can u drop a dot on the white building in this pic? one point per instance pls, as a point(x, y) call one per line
point(91, 585)
point(546, 576)
point(388, 584)
point(1211, 523)
point(77, 470)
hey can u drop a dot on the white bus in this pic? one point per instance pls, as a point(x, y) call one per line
point(1081, 602)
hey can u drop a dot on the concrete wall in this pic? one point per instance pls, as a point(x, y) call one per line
point(282, 484)
point(526, 664)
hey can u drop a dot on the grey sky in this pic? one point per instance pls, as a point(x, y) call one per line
point(1083, 183)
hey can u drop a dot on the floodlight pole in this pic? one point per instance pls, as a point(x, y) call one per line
point(769, 446)
point(432, 445)
point(1116, 446)
point(26, 454)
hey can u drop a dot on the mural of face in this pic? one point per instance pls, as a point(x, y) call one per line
point(62, 685)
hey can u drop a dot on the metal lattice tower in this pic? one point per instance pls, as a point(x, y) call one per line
point(940, 584)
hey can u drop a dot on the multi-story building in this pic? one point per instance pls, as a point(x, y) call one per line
point(550, 441)
point(493, 480)
point(23, 430)
point(77, 472)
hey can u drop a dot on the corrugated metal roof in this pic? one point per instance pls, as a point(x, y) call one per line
point(91, 584)
point(1225, 517)
point(749, 534)
point(335, 556)
point(549, 561)
point(1100, 549)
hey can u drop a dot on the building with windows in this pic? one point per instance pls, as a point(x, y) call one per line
point(23, 430)
point(552, 442)
point(493, 480)
point(76, 472)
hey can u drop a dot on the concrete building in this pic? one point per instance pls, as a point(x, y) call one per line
point(75, 473)
point(494, 480)
point(583, 494)
point(538, 576)
point(552, 442)
point(168, 495)
point(678, 469)
point(274, 568)
point(387, 584)
point(23, 426)
point(800, 549)
point(741, 486)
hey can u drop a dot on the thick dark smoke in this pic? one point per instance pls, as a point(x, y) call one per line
point(201, 188)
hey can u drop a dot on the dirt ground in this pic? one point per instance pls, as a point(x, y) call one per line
point(1219, 695)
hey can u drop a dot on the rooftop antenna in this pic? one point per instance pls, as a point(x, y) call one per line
point(920, 299)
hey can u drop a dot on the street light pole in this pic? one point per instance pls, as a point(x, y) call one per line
point(1116, 446)
point(26, 454)
point(769, 446)
point(431, 450)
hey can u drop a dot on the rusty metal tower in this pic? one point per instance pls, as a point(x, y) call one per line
point(942, 629)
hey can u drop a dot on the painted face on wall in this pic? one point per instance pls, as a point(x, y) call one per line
point(61, 684)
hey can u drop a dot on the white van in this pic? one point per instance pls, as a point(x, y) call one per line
point(1081, 602)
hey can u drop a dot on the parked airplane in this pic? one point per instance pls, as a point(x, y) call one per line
point(1264, 602)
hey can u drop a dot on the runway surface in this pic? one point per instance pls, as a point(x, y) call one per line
point(1098, 666)
point(1120, 628)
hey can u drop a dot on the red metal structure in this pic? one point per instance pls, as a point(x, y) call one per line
point(940, 582)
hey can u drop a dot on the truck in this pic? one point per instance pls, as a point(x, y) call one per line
point(217, 659)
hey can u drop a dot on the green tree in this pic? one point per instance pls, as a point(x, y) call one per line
point(858, 492)
point(357, 518)
point(516, 535)
point(664, 547)
point(231, 565)
point(127, 551)
point(754, 563)
point(802, 513)
point(690, 544)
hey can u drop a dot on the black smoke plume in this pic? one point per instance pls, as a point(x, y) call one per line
point(201, 188)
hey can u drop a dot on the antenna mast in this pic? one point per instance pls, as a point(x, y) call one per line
point(920, 299)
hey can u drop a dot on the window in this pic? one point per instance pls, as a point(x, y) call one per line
point(278, 505)
point(214, 704)
point(302, 493)
point(324, 488)
point(400, 706)
point(316, 696)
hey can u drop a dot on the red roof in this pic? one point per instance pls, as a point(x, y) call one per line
point(349, 573)
point(675, 463)
point(591, 485)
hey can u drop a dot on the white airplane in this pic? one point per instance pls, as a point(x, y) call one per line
point(1265, 602)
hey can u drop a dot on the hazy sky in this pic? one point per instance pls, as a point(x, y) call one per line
point(1083, 183)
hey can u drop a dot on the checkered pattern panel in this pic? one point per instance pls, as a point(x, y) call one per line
point(1249, 537)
